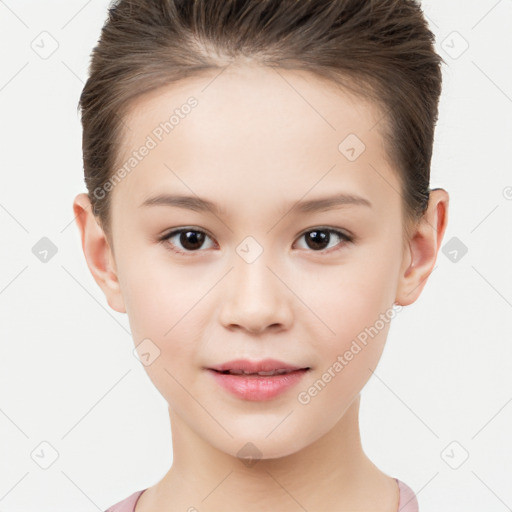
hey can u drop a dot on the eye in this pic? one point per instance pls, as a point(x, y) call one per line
point(319, 238)
point(190, 239)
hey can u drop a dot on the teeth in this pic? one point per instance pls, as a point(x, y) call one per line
point(263, 374)
point(274, 372)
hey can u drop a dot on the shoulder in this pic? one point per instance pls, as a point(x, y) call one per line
point(408, 501)
point(126, 505)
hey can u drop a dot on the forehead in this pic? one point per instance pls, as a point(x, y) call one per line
point(269, 129)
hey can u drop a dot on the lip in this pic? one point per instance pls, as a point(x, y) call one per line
point(265, 365)
point(256, 387)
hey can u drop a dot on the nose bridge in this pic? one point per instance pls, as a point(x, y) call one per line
point(255, 298)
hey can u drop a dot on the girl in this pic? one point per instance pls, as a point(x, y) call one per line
point(259, 205)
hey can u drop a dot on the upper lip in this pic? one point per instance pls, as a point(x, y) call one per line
point(265, 365)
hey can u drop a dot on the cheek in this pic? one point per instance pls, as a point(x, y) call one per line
point(351, 298)
point(162, 306)
point(356, 312)
point(348, 359)
point(160, 302)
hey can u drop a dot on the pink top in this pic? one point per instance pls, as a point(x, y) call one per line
point(407, 503)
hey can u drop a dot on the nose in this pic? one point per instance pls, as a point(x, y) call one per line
point(255, 299)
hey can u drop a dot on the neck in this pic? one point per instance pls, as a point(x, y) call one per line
point(333, 469)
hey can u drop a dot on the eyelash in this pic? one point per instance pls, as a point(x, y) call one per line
point(346, 238)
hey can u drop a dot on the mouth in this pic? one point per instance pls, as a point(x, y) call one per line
point(265, 367)
point(260, 374)
point(257, 381)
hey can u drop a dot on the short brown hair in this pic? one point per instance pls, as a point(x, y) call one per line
point(382, 50)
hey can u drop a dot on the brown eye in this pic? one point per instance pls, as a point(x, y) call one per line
point(186, 240)
point(319, 239)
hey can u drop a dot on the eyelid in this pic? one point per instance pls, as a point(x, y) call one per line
point(340, 231)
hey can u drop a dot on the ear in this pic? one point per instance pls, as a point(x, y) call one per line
point(420, 256)
point(97, 251)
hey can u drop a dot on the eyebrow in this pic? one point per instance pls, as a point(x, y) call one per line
point(305, 206)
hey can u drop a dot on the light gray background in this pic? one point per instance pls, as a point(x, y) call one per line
point(68, 375)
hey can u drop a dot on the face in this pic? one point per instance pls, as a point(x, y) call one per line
point(263, 273)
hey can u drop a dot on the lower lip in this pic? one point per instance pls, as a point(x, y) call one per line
point(257, 388)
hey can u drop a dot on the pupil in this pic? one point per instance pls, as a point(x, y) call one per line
point(191, 239)
point(320, 239)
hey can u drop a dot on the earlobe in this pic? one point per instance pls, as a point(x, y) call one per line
point(423, 248)
point(97, 252)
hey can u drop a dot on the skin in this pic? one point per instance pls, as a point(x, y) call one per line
point(254, 146)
